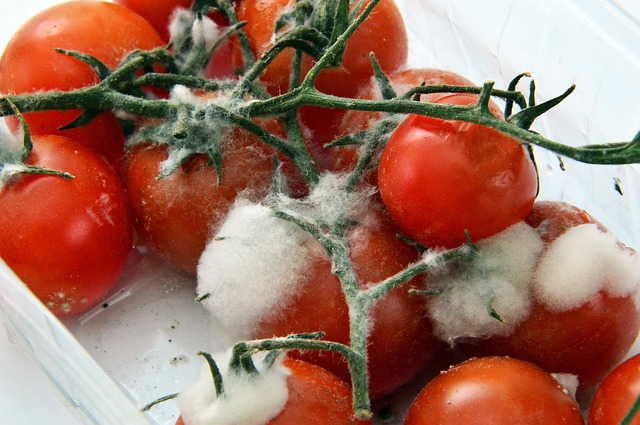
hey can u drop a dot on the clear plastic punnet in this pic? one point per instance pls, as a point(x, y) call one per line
point(142, 342)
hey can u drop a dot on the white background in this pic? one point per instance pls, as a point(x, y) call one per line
point(26, 395)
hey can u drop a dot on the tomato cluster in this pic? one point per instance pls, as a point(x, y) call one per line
point(428, 242)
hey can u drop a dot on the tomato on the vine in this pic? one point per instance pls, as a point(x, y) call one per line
point(440, 179)
point(316, 397)
point(586, 340)
point(67, 239)
point(177, 214)
point(30, 63)
point(494, 390)
point(383, 33)
point(617, 394)
point(400, 339)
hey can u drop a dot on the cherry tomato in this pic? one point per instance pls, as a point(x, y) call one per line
point(441, 178)
point(30, 64)
point(617, 394)
point(316, 397)
point(157, 13)
point(400, 340)
point(67, 239)
point(494, 390)
point(586, 341)
point(382, 33)
point(176, 215)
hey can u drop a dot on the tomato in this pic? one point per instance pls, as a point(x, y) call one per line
point(157, 13)
point(616, 394)
point(316, 397)
point(176, 215)
point(400, 339)
point(441, 178)
point(30, 64)
point(586, 340)
point(382, 33)
point(67, 239)
point(494, 390)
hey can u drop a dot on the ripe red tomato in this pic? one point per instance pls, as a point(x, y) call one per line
point(494, 390)
point(30, 64)
point(316, 397)
point(67, 239)
point(439, 178)
point(586, 341)
point(617, 394)
point(383, 33)
point(176, 215)
point(157, 13)
point(400, 339)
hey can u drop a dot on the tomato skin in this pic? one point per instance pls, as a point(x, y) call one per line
point(316, 397)
point(67, 239)
point(587, 341)
point(616, 394)
point(30, 64)
point(439, 178)
point(400, 338)
point(494, 390)
point(157, 13)
point(176, 215)
point(383, 33)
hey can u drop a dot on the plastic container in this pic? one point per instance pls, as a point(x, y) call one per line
point(111, 361)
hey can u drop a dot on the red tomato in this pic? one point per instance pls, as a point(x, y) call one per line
point(439, 178)
point(586, 341)
point(383, 33)
point(67, 239)
point(400, 339)
point(316, 397)
point(30, 64)
point(494, 390)
point(617, 394)
point(157, 13)
point(176, 215)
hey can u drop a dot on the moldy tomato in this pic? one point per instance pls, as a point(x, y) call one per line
point(400, 339)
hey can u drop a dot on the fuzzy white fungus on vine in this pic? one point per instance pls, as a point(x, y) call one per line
point(247, 399)
point(498, 278)
point(249, 269)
